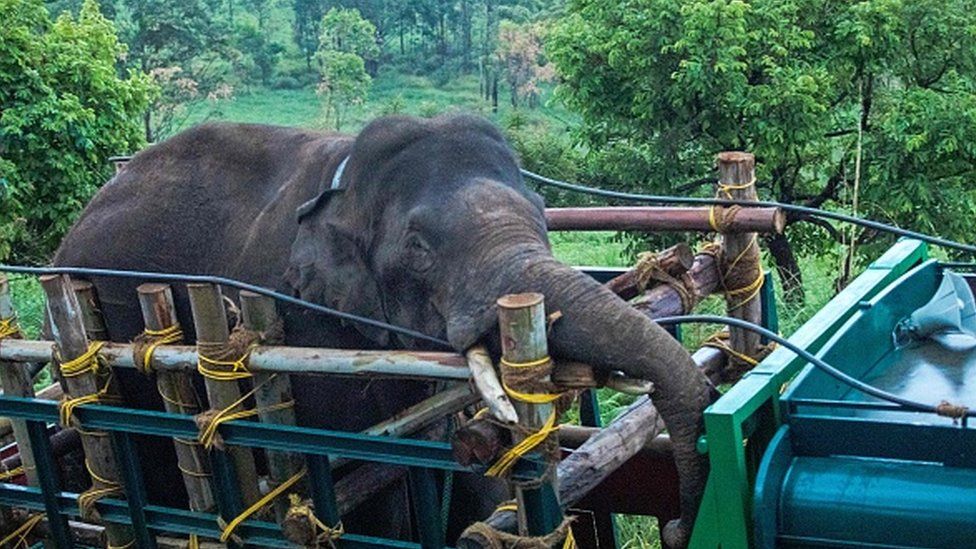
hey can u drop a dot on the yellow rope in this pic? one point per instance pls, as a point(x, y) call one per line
point(155, 338)
point(505, 463)
point(126, 546)
point(532, 398)
point(300, 511)
point(66, 408)
point(569, 542)
point(228, 530)
point(86, 362)
point(9, 328)
point(194, 542)
point(21, 533)
point(529, 364)
point(238, 368)
point(717, 342)
point(11, 474)
point(208, 430)
point(88, 498)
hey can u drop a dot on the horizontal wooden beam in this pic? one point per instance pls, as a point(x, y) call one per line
point(665, 219)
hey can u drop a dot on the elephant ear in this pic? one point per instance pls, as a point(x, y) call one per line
point(328, 267)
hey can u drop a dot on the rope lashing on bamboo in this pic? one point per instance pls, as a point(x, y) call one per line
point(648, 268)
point(227, 528)
point(88, 498)
point(719, 340)
point(12, 474)
point(523, 381)
point(209, 421)
point(145, 344)
point(9, 328)
point(950, 410)
point(497, 539)
point(720, 218)
point(124, 546)
point(302, 527)
point(22, 533)
point(227, 360)
point(87, 362)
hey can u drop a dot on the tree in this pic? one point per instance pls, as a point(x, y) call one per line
point(347, 39)
point(63, 111)
point(308, 17)
point(520, 55)
point(812, 89)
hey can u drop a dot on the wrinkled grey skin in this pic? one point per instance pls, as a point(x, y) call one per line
point(434, 224)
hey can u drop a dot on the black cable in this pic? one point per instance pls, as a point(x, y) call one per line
point(208, 279)
point(812, 212)
point(807, 356)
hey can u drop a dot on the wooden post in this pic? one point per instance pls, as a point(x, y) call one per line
point(522, 322)
point(91, 312)
point(67, 325)
point(159, 313)
point(259, 314)
point(17, 382)
point(737, 175)
point(210, 320)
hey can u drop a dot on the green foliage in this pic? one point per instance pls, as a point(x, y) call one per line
point(306, 27)
point(662, 86)
point(63, 111)
point(346, 40)
point(262, 51)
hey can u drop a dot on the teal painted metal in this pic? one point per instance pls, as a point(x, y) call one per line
point(135, 490)
point(741, 424)
point(49, 481)
point(847, 470)
point(769, 315)
point(427, 507)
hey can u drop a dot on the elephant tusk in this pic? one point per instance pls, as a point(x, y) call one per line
point(488, 385)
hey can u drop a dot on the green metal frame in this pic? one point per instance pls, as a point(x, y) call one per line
point(425, 459)
point(740, 425)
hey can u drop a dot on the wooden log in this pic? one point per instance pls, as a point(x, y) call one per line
point(577, 376)
point(210, 321)
point(592, 462)
point(68, 327)
point(259, 314)
point(662, 219)
point(522, 327)
point(91, 311)
point(737, 171)
point(180, 397)
point(486, 380)
point(675, 261)
point(663, 300)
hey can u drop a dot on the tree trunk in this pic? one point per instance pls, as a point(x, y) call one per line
point(787, 267)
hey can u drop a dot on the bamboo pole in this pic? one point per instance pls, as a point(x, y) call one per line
point(259, 314)
point(210, 320)
point(662, 219)
point(674, 261)
point(91, 312)
point(522, 326)
point(159, 313)
point(68, 327)
point(737, 174)
point(17, 382)
point(663, 300)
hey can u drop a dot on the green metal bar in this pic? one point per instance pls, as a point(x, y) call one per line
point(227, 493)
point(49, 481)
point(725, 519)
point(323, 489)
point(769, 315)
point(426, 507)
point(135, 490)
point(590, 409)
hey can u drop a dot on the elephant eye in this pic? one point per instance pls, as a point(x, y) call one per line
point(417, 253)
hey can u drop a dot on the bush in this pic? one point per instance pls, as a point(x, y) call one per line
point(286, 83)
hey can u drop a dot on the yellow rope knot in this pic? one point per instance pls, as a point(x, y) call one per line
point(22, 533)
point(88, 498)
point(496, 539)
point(146, 343)
point(89, 361)
point(10, 475)
point(9, 328)
point(66, 408)
point(209, 421)
point(648, 268)
point(302, 527)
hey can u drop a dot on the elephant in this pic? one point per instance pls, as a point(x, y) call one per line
point(421, 223)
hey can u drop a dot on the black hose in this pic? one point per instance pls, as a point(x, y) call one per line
point(809, 357)
point(231, 283)
point(805, 210)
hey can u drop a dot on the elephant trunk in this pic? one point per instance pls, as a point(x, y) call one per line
point(598, 328)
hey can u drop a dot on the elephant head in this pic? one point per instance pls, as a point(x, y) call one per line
point(433, 223)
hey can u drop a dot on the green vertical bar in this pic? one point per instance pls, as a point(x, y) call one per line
point(767, 306)
point(135, 490)
point(427, 507)
point(727, 457)
point(590, 409)
point(542, 511)
point(323, 489)
point(50, 483)
point(227, 495)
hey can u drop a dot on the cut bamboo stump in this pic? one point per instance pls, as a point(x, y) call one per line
point(210, 321)
point(522, 326)
point(737, 173)
point(675, 261)
point(259, 314)
point(663, 300)
point(67, 324)
point(159, 313)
